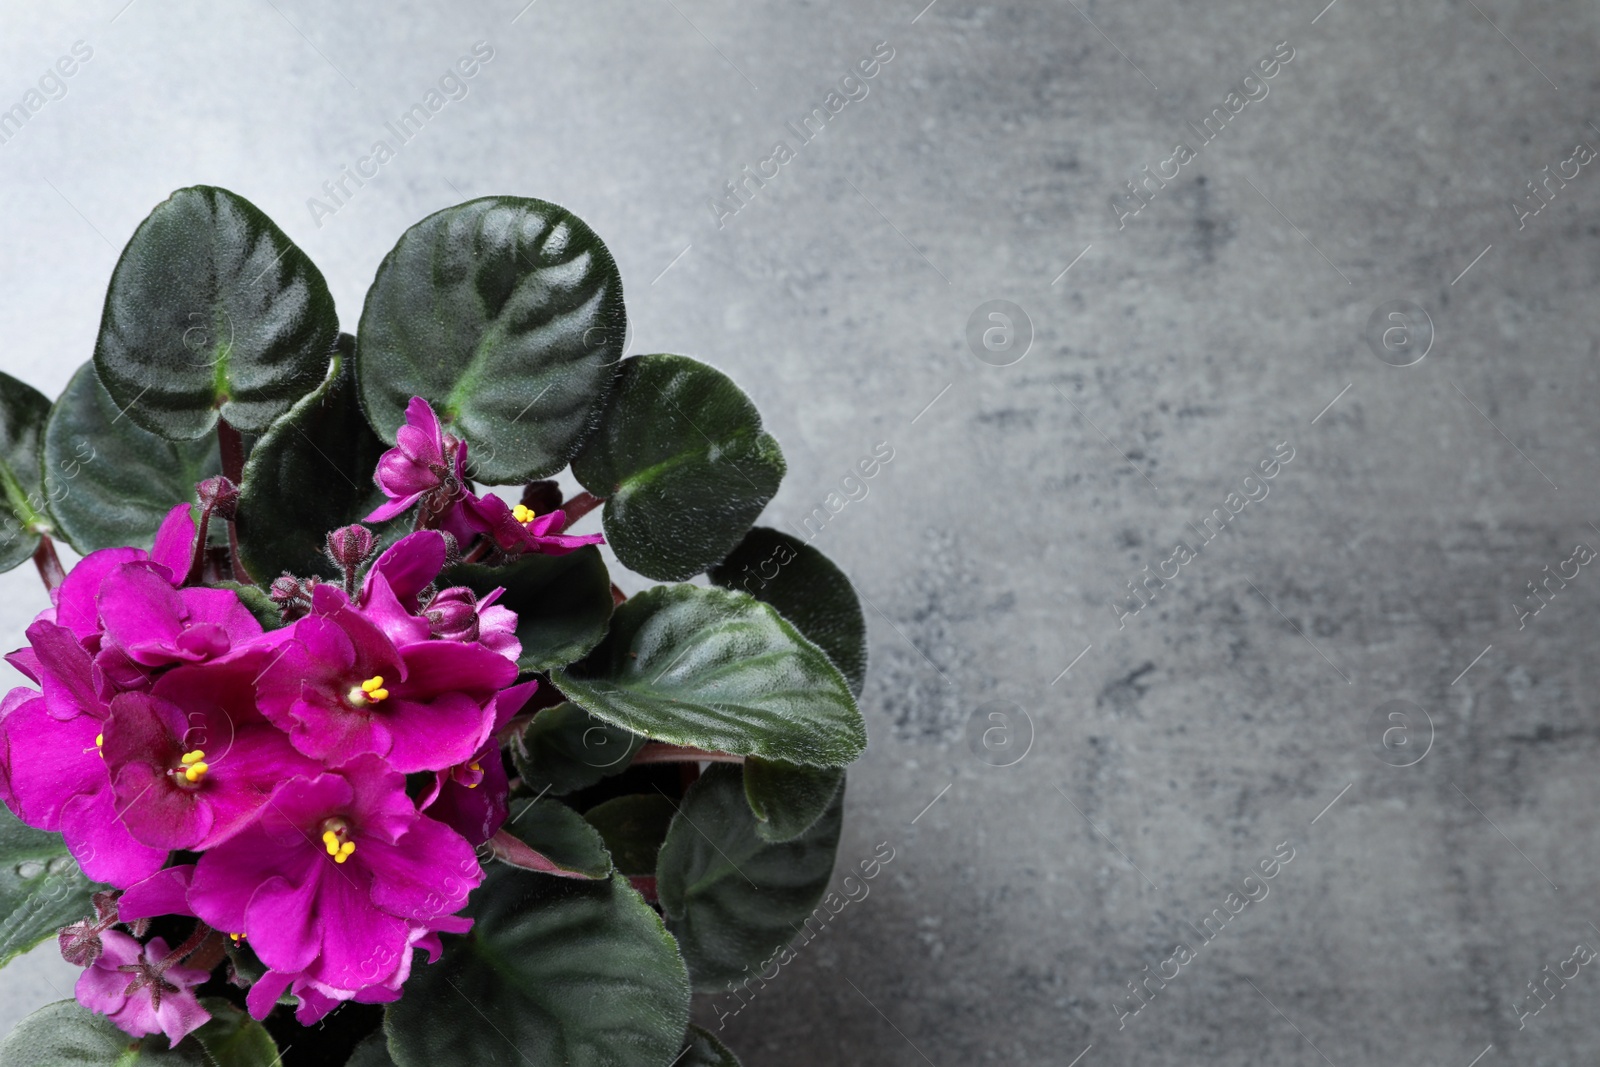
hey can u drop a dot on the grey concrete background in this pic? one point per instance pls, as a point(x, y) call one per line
point(1189, 740)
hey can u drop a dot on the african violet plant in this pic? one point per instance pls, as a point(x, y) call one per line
point(324, 734)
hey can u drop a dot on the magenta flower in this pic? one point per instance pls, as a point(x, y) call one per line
point(77, 600)
point(135, 987)
point(331, 882)
point(517, 529)
point(425, 463)
point(155, 625)
point(192, 761)
point(471, 797)
point(53, 777)
point(340, 688)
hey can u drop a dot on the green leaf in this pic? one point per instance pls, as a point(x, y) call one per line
point(718, 670)
point(787, 800)
point(808, 589)
point(258, 602)
point(562, 602)
point(64, 1034)
point(633, 828)
point(565, 749)
point(41, 887)
point(562, 842)
point(701, 1049)
point(682, 464)
point(372, 1052)
point(234, 1039)
point(730, 898)
point(109, 482)
point(23, 410)
point(575, 973)
point(506, 314)
point(309, 474)
point(212, 309)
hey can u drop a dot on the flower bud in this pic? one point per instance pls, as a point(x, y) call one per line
point(453, 614)
point(80, 943)
point(292, 595)
point(219, 495)
point(349, 546)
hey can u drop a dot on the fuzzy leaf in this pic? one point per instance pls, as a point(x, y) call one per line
point(565, 749)
point(721, 671)
point(575, 973)
point(108, 481)
point(309, 474)
point(506, 315)
point(562, 602)
point(23, 515)
point(554, 839)
point(701, 1049)
point(633, 828)
point(64, 1034)
point(785, 799)
point(41, 887)
point(212, 310)
point(682, 464)
point(233, 1039)
point(730, 898)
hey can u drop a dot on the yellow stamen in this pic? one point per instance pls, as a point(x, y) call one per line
point(370, 691)
point(237, 938)
point(523, 513)
point(330, 841)
point(99, 740)
point(196, 771)
point(344, 852)
point(476, 769)
point(189, 757)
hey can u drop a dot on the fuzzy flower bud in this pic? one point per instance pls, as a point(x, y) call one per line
point(219, 495)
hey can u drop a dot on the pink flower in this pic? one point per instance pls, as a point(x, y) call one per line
point(471, 797)
point(138, 989)
point(425, 463)
point(341, 687)
point(332, 882)
point(517, 529)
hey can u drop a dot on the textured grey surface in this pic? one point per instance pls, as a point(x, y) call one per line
point(1174, 355)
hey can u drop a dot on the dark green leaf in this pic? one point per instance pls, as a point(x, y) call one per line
point(23, 410)
point(506, 314)
point(807, 589)
point(257, 602)
point(562, 602)
point(633, 828)
point(109, 482)
point(41, 888)
point(212, 308)
point(565, 749)
point(575, 973)
point(718, 670)
point(732, 899)
point(704, 1050)
point(309, 474)
point(372, 1052)
point(234, 1039)
point(787, 800)
point(682, 464)
point(64, 1034)
point(562, 842)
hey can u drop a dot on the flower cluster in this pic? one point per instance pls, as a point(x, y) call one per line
point(316, 791)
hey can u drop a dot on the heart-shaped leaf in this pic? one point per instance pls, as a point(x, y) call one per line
point(506, 315)
point(701, 1049)
point(233, 1039)
point(633, 828)
point(309, 474)
point(807, 588)
point(787, 800)
point(65, 1034)
point(23, 410)
point(562, 602)
point(108, 481)
point(732, 899)
point(565, 749)
point(578, 973)
point(683, 466)
point(41, 887)
point(554, 839)
point(212, 310)
point(721, 671)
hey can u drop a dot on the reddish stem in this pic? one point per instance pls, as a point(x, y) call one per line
point(578, 507)
point(617, 595)
point(49, 564)
point(231, 445)
point(660, 752)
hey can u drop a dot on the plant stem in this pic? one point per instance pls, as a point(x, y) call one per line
point(231, 445)
point(578, 507)
point(49, 564)
point(659, 752)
